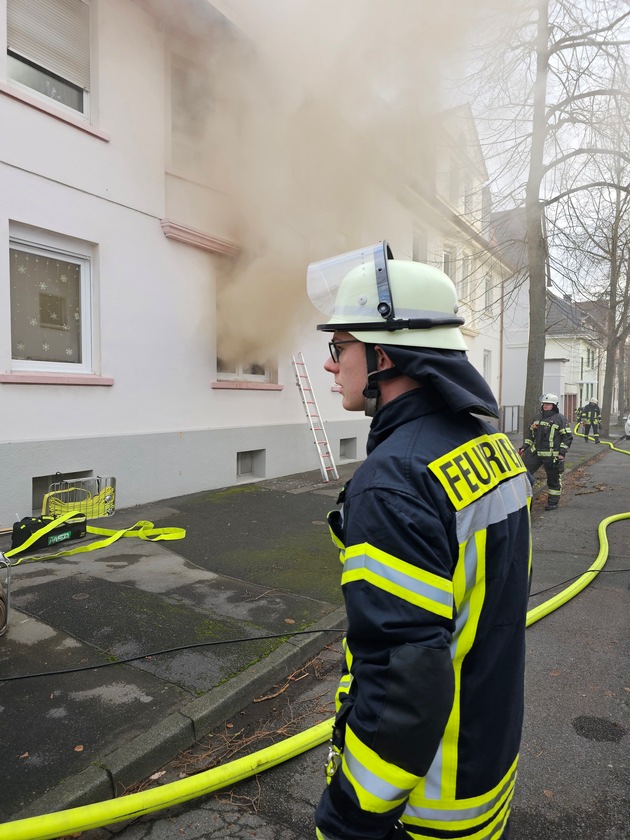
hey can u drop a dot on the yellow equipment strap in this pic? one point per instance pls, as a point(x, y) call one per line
point(142, 529)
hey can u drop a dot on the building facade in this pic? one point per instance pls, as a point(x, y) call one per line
point(149, 312)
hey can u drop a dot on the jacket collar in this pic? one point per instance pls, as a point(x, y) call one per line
point(402, 409)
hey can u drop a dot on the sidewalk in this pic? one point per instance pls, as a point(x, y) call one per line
point(256, 561)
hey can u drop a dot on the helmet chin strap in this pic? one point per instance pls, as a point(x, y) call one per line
point(372, 392)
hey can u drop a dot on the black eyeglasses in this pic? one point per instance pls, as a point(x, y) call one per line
point(334, 346)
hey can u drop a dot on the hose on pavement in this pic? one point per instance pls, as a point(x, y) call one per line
point(108, 812)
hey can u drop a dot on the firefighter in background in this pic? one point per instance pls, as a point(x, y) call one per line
point(434, 536)
point(590, 416)
point(546, 445)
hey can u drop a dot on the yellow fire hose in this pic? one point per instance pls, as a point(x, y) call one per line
point(74, 820)
point(602, 442)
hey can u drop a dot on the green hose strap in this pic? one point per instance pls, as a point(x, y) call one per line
point(142, 529)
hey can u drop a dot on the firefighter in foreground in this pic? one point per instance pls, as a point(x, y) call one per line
point(546, 445)
point(434, 538)
point(590, 416)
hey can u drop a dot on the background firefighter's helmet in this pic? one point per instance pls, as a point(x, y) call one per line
point(549, 398)
point(594, 401)
point(380, 300)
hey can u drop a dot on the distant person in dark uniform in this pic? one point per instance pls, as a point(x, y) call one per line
point(546, 445)
point(590, 416)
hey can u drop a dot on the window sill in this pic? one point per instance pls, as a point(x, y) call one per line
point(237, 385)
point(54, 379)
point(41, 105)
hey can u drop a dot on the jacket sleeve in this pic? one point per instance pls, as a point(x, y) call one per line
point(529, 437)
point(566, 435)
point(397, 582)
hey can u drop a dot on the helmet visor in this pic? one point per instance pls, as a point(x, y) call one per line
point(324, 278)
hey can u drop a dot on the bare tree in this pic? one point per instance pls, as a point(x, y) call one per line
point(555, 90)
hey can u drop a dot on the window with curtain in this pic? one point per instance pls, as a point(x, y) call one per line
point(48, 49)
point(50, 294)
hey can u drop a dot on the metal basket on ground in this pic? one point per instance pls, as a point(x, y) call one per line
point(95, 497)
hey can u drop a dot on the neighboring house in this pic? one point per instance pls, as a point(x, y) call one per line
point(574, 357)
point(141, 288)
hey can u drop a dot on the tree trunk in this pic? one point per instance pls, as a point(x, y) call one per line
point(536, 246)
point(609, 379)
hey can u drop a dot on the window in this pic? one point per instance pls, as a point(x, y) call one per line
point(48, 49)
point(466, 278)
point(468, 198)
point(448, 262)
point(191, 106)
point(50, 293)
point(487, 365)
point(489, 294)
point(419, 245)
point(238, 359)
point(454, 182)
point(243, 371)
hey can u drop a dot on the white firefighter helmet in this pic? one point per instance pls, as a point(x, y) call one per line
point(549, 398)
point(380, 300)
point(594, 401)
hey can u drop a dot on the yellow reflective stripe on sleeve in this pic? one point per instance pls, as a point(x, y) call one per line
point(399, 578)
point(336, 540)
point(342, 689)
point(476, 467)
point(471, 573)
point(379, 786)
point(450, 739)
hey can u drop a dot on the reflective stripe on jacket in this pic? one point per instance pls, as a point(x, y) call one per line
point(590, 414)
point(436, 563)
point(549, 435)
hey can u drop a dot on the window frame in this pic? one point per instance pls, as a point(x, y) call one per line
point(466, 280)
point(449, 255)
point(50, 245)
point(238, 374)
point(487, 365)
point(38, 63)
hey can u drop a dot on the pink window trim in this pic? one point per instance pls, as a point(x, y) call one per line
point(54, 379)
point(39, 105)
point(238, 385)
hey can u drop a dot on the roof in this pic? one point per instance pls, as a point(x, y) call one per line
point(565, 317)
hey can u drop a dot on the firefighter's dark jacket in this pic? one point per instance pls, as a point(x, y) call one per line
point(434, 540)
point(590, 414)
point(549, 434)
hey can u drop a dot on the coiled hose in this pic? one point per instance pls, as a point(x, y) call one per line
point(74, 820)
